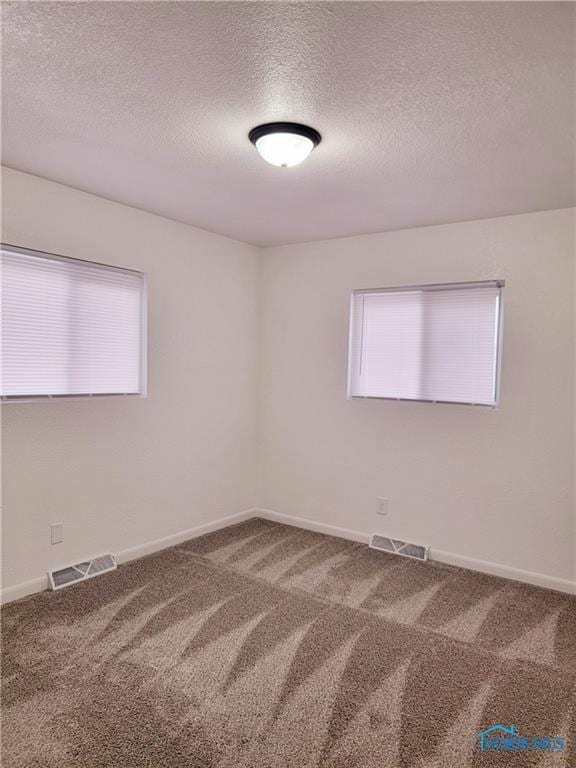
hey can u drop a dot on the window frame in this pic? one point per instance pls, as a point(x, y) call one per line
point(500, 284)
point(143, 393)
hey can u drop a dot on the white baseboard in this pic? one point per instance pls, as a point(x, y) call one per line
point(125, 555)
point(472, 564)
point(39, 584)
point(9, 594)
point(312, 525)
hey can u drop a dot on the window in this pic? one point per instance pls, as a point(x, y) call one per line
point(438, 343)
point(70, 328)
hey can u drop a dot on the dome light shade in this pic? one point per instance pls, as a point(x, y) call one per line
point(284, 144)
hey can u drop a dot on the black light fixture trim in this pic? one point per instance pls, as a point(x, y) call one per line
point(297, 128)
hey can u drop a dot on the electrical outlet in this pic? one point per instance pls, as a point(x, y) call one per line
point(57, 533)
point(381, 506)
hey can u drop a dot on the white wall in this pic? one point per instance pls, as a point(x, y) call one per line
point(492, 485)
point(496, 486)
point(122, 472)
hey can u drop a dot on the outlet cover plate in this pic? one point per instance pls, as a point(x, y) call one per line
point(381, 506)
point(57, 533)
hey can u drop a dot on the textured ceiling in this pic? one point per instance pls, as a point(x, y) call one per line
point(430, 112)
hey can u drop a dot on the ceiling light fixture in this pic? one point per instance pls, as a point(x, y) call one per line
point(284, 144)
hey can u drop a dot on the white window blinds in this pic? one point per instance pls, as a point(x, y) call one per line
point(437, 343)
point(70, 328)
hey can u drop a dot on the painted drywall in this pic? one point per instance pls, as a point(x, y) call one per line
point(247, 405)
point(490, 485)
point(429, 112)
point(122, 472)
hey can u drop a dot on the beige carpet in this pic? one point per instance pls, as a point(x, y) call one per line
point(266, 646)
